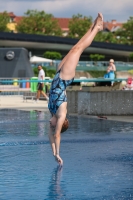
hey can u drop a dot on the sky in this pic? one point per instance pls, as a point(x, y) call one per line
point(119, 10)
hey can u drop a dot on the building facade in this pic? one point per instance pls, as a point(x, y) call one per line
point(63, 23)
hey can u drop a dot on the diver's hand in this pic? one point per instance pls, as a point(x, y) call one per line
point(59, 160)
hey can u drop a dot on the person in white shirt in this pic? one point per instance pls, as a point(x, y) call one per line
point(40, 85)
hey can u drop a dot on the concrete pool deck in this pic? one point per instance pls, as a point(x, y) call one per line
point(16, 102)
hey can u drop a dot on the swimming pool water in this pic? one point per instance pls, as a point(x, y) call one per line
point(97, 154)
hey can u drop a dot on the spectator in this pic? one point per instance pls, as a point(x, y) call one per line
point(129, 84)
point(110, 71)
point(40, 85)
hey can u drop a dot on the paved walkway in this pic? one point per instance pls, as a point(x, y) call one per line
point(16, 102)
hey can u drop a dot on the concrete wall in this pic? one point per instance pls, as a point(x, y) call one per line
point(100, 103)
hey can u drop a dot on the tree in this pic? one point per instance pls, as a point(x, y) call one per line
point(35, 22)
point(79, 25)
point(52, 55)
point(131, 56)
point(125, 34)
point(48, 72)
point(4, 20)
point(105, 37)
point(96, 57)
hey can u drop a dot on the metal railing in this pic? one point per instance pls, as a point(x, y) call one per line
point(14, 86)
point(17, 86)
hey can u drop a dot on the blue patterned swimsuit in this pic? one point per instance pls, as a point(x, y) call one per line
point(57, 94)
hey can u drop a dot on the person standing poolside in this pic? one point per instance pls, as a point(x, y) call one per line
point(40, 85)
point(110, 71)
point(65, 75)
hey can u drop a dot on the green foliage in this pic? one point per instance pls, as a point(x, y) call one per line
point(79, 25)
point(96, 57)
point(125, 34)
point(51, 72)
point(4, 20)
point(131, 71)
point(131, 56)
point(52, 55)
point(106, 37)
point(96, 74)
point(35, 22)
point(35, 70)
point(48, 72)
point(100, 37)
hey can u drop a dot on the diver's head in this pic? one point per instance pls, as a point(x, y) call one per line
point(65, 125)
point(53, 122)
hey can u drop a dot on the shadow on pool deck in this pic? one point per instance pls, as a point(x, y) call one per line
point(16, 102)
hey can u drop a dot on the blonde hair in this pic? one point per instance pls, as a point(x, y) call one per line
point(65, 125)
point(111, 60)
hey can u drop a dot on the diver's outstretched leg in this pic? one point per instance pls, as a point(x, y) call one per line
point(69, 63)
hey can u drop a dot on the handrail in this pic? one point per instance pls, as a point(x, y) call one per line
point(100, 80)
point(75, 80)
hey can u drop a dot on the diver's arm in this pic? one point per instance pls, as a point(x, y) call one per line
point(57, 138)
point(52, 140)
point(57, 135)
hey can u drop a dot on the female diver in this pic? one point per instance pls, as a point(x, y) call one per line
point(65, 75)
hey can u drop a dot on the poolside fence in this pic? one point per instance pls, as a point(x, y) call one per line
point(18, 86)
point(85, 101)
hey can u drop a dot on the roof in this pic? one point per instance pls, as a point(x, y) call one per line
point(17, 19)
point(63, 23)
point(11, 14)
point(113, 25)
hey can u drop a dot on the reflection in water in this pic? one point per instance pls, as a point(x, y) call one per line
point(33, 127)
point(56, 190)
point(14, 122)
point(86, 125)
point(40, 125)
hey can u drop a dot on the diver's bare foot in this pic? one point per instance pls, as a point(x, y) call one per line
point(98, 23)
